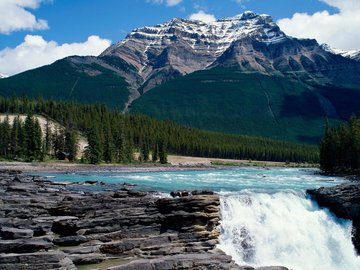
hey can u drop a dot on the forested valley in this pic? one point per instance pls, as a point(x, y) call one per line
point(114, 137)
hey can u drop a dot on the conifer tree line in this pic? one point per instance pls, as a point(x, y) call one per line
point(114, 136)
point(21, 139)
point(24, 140)
point(340, 148)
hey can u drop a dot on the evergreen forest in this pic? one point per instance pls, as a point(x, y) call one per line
point(114, 137)
point(340, 148)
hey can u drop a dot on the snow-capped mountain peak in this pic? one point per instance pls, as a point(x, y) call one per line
point(248, 41)
point(210, 40)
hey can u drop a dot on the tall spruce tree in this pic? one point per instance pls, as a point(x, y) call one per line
point(162, 152)
point(71, 143)
point(5, 138)
point(58, 140)
point(109, 148)
point(155, 153)
point(145, 151)
point(38, 151)
point(48, 138)
point(16, 138)
point(94, 149)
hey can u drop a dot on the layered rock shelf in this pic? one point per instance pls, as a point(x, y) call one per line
point(48, 225)
point(344, 201)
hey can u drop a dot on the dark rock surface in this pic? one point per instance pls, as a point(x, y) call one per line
point(344, 201)
point(45, 225)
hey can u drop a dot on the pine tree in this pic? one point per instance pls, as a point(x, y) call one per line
point(71, 144)
point(16, 137)
point(162, 152)
point(58, 139)
point(109, 149)
point(48, 138)
point(145, 151)
point(22, 138)
point(155, 153)
point(5, 142)
point(29, 137)
point(326, 148)
point(120, 145)
point(94, 150)
point(38, 151)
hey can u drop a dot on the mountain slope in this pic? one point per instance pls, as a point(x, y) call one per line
point(228, 100)
point(82, 79)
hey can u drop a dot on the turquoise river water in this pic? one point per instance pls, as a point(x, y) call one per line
point(266, 217)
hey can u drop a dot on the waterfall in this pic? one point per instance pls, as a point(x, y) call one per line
point(287, 229)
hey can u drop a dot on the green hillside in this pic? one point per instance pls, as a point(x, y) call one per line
point(226, 100)
point(89, 84)
point(116, 134)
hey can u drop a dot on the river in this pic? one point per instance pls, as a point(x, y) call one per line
point(267, 219)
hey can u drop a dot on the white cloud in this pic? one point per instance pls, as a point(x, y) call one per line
point(35, 52)
point(169, 3)
point(202, 16)
point(242, 2)
point(15, 16)
point(340, 30)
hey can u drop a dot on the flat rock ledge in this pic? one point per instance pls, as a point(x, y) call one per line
point(344, 201)
point(46, 225)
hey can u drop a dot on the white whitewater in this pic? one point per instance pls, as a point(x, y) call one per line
point(266, 218)
point(287, 229)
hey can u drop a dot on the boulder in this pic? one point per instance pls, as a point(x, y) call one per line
point(87, 258)
point(70, 240)
point(14, 233)
point(36, 261)
point(344, 201)
point(24, 245)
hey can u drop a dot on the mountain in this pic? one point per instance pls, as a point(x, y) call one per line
point(354, 54)
point(2, 76)
point(237, 75)
point(83, 79)
point(180, 46)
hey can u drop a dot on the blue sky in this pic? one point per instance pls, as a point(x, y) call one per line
point(30, 26)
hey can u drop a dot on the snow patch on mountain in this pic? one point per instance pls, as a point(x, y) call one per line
point(211, 39)
point(220, 33)
point(3, 76)
point(355, 55)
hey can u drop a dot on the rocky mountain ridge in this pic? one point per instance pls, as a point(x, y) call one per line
point(145, 47)
point(249, 41)
point(353, 54)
